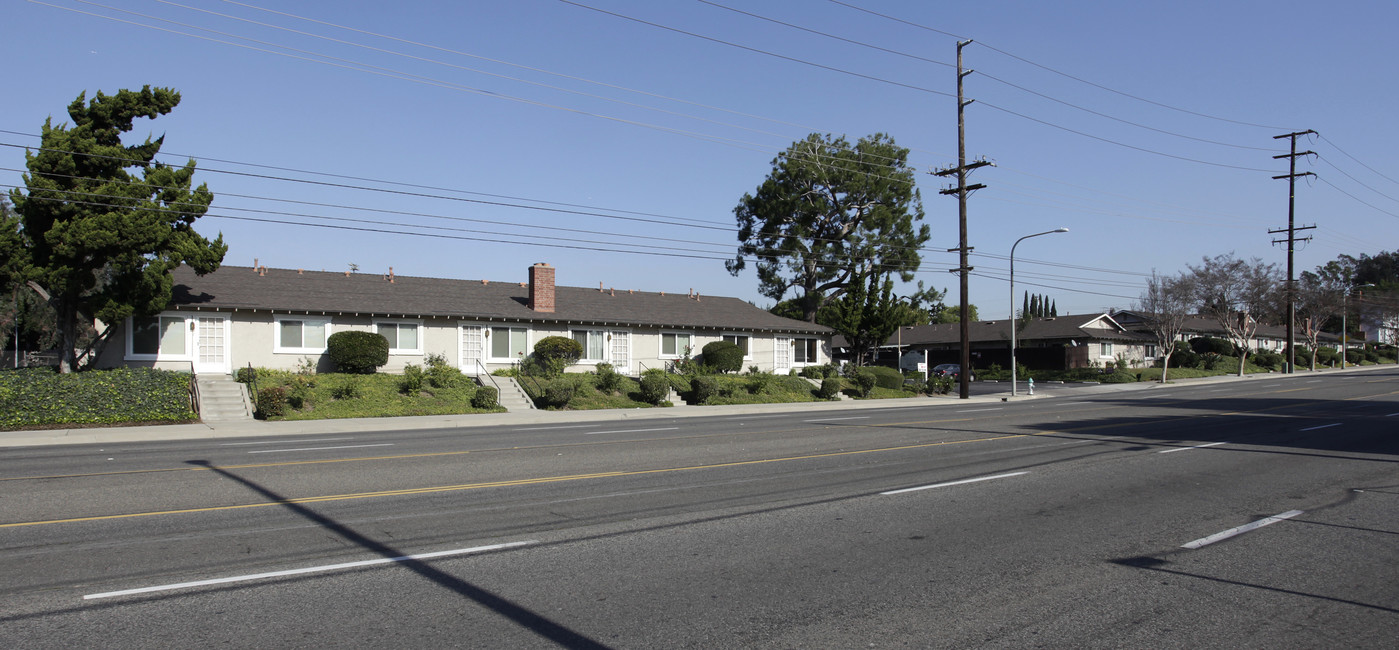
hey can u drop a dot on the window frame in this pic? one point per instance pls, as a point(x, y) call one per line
point(186, 323)
point(747, 347)
point(490, 344)
point(1105, 349)
point(278, 348)
point(679, 349)
point(396, 322)
point(602, 334)
point(811, 342)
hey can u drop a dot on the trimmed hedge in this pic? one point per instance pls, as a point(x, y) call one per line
point(885, 377)
point(722, 356)
point(554, 353)
point(32, 397)
point(357, 352)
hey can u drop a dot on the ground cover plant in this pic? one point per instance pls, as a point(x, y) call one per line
point(34, 398)
point(288, 395)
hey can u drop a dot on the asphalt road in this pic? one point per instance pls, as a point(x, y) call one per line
point(1259, 513)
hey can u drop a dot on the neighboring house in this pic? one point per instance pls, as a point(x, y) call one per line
point(275, 318)
point(1272, 338)
point(1054, 343)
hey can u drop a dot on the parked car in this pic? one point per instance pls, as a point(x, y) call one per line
point(953, 370)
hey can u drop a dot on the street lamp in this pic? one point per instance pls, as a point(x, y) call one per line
point(1012, 301)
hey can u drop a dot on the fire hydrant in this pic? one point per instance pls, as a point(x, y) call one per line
point(1032, 385)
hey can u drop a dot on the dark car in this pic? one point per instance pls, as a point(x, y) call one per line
point(952, 370)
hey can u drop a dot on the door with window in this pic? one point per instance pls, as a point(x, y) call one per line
point(473, 349)
point(620, 346)
point(211, 345)
point(783, 350)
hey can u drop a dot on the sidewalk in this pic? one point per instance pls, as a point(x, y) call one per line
point(256, 428)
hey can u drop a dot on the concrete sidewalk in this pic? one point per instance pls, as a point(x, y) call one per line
point(256, 428)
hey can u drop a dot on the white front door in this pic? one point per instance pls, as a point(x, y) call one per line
point(473, 349)
point(621, 351)
point(211, 339)
point(783, 357)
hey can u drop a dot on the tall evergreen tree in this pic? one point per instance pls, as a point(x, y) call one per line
point(96, 240)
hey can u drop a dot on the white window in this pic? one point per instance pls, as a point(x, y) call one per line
point(676, 344)
point(805, 350)
point(404, 337)
point(508, 343)
point(1106, 350)
point(594, 344)
point(301, 335)
point(741, 340)
point(158, 337)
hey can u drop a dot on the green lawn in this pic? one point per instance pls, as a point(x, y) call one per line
point(329, 396)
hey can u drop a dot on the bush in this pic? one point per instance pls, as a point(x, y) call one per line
point(1325, 356)
point(941, 385)
point(704, 388)
point(1354, 357)
point(1119, 377)
point(272, 402)
point(1210, 361)
point(762, 383)
point(559, 393)
point(356, 352)
point(608, 379)
point(485, 397)
point(245, 375)
point(830, 388)
point(813, 372)
point(554, 353)
point(864, 380)
point(886, 377)
point(655, 388)
point(722, 356)
point(1208, 344)
point(348, 389)
point(1183, 357)
point(40, 396)
point(441, 374)
point(1270, 360)
point(412, 380)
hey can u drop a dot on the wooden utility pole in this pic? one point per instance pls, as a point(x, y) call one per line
point(1291, 240)
point(961, 191)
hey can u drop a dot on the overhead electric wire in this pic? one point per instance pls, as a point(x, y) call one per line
point(1357, 181)
point(1051, 286)
point(1357, 160)
point(1058, 72)
point(1358, 199)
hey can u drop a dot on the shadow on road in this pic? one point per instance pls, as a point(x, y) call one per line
point(522, 616)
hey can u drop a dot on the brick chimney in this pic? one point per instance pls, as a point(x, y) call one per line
point(541, 287)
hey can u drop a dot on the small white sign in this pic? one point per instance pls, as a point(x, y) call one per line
point(922, 367)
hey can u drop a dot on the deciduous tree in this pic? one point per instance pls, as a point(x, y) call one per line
point(1236, 294)
point(99, 241)
point(1165, 307)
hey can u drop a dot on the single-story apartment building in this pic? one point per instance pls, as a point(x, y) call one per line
point(277, 318)
point(1272, 338)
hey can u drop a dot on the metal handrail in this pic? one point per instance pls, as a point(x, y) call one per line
point(484, 371)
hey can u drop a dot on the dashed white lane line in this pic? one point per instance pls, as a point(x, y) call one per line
point(855, 417)
point(1266, 521)
point(568, 426)
point(314, 569)
point(594, 433)
point(950, 483)
point(279, 442)
point(978, 410)
point(1391, 415)
point(1323, 426)
point(1210, 444)
point(1314, 381)
point(274, 451)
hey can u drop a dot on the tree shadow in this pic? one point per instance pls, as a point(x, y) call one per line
point(520, 615)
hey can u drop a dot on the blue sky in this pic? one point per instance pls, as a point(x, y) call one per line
point(445, 118)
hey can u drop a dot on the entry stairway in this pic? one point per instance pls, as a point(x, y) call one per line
point(223, 400)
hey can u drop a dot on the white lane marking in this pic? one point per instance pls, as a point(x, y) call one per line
point(570, 426)
point(855, 417)
point(1314, 381)
point(1269, 385)
point(280, 442)
point(978, 410)
point(949, 483)
point(1217, 390)
point(1391, 415)
point(314, 569)
point(1323, 426)
point(759, 417)
point(1071, 403)
point(274, 451)
point(1211, 444)
point(1266, 521)
point(594, 433)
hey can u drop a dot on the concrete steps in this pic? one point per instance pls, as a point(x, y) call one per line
point(223, 400)
point(512, 396)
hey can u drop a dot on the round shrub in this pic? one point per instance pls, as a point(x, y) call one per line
point(271, 402)
point(864, 380)
point(608, 379)
point(412, 380)
point(558, 393)
point(829, 389)
point(704, 388)
point(762, 383)
point(554, 353)
point(357, 352)
point(722, 356)
point(655, 388)
point(245, 375)
point(441, 374)
point(1269, 359)
point(1184, 357)
point(813, 372)
point(1209, 344)
point(485, 397)
point(886, 377)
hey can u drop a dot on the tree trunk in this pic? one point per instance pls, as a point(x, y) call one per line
point(1165, 366)
point(67, 337)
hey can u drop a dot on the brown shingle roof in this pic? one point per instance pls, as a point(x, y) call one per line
point(1059, 328)
point(289, 290)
